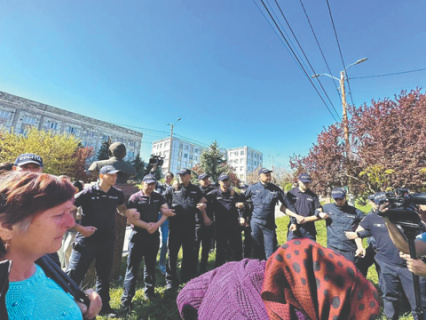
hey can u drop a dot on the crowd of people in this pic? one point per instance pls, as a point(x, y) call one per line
point(37, 218)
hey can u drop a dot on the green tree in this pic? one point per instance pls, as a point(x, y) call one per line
point(103, 153)
point(212, 161)
point(60, 152)
point(139, 166)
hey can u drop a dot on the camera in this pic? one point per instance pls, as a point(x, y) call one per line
point(402, 208)
point(156, 160)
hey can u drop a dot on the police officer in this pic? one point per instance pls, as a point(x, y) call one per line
point(394, 274)
point(96, 233)
point(204, 234)
point(185, 198)
point(223, 201)
point(265, 196)
point(144, 241)
point(342, 217)
point(308, 207)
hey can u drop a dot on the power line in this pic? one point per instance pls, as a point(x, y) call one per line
point(298, 61)
point(319, 47)
point(310, 65)
point(277, 34)
point(389, 74)
point(340, 51)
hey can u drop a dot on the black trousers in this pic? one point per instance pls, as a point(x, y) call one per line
point(141, 245)
point(181, 235)
point(204, 235)
point(228, 244)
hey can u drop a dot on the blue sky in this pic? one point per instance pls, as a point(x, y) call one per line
point(218, 65)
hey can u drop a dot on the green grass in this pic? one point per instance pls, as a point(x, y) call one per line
point(164, 306)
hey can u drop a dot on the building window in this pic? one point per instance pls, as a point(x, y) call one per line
point(72, 130)
point(242, 153)
point(91, 134)
point(186, 147)
point(166, 144)
point(185, 155)
point(105, 138)
point(5, 115)
point(29, 120)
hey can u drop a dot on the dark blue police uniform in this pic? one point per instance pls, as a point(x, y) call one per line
point(228, 234)
point(142, 245)
point(204, 234)
point(182, 231)
point(305, 204)
point(345, 218)
point(264, 198)
point(98, 210)
point(393, 269)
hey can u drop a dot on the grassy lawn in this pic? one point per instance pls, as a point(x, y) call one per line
point(164, 306)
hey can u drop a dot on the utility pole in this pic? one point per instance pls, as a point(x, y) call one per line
point(171, 142)
point(345, 122)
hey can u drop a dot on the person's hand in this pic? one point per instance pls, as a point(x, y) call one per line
point(323, 215)
point(94, 307)
point(383, 207)
point(351, 235)
point(293, 227)
point(168, 212)
point(207, 221)
point(300, 219)
point(152, 227)
point(242, 221)
point(416, 266)
point(87, 231)
point(132, 215)
point(201, 206)
point(360, 252)
point(239, 205)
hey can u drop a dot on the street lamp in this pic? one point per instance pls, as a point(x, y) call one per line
point(344, 105)
point(171, 141)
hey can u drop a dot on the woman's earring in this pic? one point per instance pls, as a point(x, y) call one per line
point(7, 244)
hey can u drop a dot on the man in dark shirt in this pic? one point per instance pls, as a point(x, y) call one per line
point(264, 196)
point(204, 234)
point(185, 199)
point(96, 232)
point(394, 274)
point(144, 241)
point(307, 205)
point(342, 217)
point(228, 235)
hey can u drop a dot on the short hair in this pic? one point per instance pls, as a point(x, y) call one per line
point(5, 167)
point(170, 174)
point(23, 195)
point(78, 184)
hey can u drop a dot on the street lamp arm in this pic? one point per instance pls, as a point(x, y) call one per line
point(357, 62)
point(324, 74)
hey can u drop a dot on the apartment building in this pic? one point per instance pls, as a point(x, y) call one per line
point(244, 160)
point(20, 113)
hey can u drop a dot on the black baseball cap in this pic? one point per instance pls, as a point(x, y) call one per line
point(108, 170)
point(264, 170)
point(26, 158)
point(149, 178)
point(203, 176)
point(184, 171)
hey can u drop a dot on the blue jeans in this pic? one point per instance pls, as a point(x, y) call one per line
point(82, 255)
point(264, 240)
point(392, 278)
point(164, 236)
point(141, 245)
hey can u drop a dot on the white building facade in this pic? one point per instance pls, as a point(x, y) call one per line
point(184, 154)
point(19, 113)
point(244, 160)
